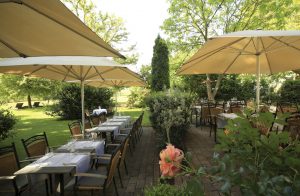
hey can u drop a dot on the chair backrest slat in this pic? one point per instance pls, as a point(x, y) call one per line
point(9, 162)
point(75, 128)
point(112, 167)
point(36, 145)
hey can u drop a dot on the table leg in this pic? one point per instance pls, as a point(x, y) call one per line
point(61, 184)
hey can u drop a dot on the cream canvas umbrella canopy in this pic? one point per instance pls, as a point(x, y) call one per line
point(253, 51)
point(46, 28)
point(70, 69)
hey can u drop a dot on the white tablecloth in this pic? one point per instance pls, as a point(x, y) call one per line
point(77, 145)
point(99, 111)
point(100, 129)
point(80, 161)
point(125, 120)
point(121, 125)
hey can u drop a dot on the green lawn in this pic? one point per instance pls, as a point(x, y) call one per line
point(35, 121)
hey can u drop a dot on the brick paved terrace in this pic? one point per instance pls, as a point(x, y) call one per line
point(143, 165)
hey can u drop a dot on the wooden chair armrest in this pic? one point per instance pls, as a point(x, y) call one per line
point(113, 144)
point(3, 178)
point(103, 157)
point(90, 175)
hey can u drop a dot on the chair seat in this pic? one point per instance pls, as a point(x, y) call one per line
point(7, 185)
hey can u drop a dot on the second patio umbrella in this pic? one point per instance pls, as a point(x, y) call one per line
point(65, 68)
point(253, 52)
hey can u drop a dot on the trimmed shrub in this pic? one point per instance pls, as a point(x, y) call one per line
point(7, 122)
point(137, 97)
point(69, 105)
point(290, 91)
point(170, 111)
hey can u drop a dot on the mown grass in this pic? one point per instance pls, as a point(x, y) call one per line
point(35, 121)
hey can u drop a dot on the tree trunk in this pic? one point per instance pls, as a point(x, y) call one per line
point(29, 101)
point(210, 95)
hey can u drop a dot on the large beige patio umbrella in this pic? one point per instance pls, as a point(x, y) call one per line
point(70, 69)
point(254, 52)
point(46, 28)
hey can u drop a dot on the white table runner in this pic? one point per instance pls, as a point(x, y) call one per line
point(77, 145)
point(121, 125)
point(80, 161)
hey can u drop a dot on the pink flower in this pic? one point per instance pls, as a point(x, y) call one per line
point(170, 160)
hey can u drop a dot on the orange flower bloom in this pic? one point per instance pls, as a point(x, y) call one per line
point(170, 160)
point(226, 131)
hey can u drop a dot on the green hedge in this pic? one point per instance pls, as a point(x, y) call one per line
point(290, 91)
point(69, 105)
point(7, 122)
point(170, 110)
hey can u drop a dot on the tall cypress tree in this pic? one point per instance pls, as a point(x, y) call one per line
point(160, 66)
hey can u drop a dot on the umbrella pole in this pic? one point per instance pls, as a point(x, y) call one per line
point(82, 105)
point(257, 82)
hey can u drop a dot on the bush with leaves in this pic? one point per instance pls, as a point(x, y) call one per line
point(258, 164)
point(290, 91)
point(69, 100)
point(170, 112)
point(7, 122)
point(137, 97)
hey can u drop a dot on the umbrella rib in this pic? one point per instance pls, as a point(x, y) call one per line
point(78, 33)
point(85, 76)
point(208, 54)
point(54, 69)
point(69, 70)
point(13, 49)
point(287, 44)
point(228, 67)
point(38, 69)
point(263, 45)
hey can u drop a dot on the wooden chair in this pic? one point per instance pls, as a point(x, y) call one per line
point(293, 126)
point(9, 163)
point(236, 108)
point(98, 180)
point(102, 118)
point(213, 112)
point(75, 130)
point(95, 120)
point(104, 159)
point(35, 147)
point(287, 107)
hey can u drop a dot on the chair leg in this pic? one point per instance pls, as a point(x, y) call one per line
point(115, 185)
point(50, 184)
point(125, 167)
point(120, 176)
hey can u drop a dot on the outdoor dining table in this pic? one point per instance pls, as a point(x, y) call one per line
point(58, 164)
point(121, 125)
point(113, 130)
point(89, 146)
point(125, 120)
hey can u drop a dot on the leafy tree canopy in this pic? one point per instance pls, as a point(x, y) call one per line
point(109, 27)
